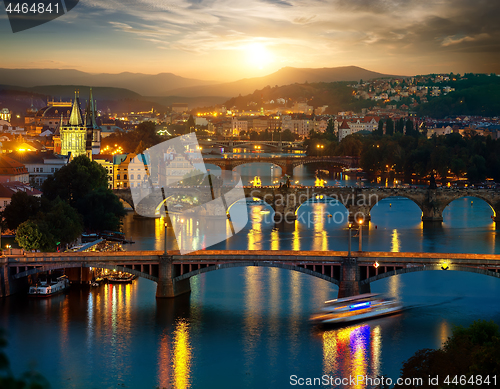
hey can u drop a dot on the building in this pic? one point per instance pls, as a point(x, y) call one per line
point(106, 161)
point(300, 127)
point(11, 170)
point(238, 125)
point(344, 130)
point(48, 117)
point(260, 124)
point(354, 125)
point(180, 107)
point(80, 136)
point(7, 189)
point(5, 114)
point(39, 165)
point(120, 170)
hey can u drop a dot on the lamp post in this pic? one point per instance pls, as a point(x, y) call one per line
point(360, 222)
point(349, 242)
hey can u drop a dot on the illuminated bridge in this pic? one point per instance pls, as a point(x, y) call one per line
point(172, 273)
point(230, 144)
point(359, 202)
point(287, 164)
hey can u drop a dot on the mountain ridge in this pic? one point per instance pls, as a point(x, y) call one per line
point(169, 84)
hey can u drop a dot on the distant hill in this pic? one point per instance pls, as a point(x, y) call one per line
point(18, 99)
point(284, 76)
point(336, 95)
point(144, 84)
point(476, 94)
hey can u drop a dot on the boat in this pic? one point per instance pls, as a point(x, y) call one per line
point(361, 307)
point(124, 278)
point(47, 288)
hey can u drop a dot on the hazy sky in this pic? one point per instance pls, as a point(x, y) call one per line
point(233, 39)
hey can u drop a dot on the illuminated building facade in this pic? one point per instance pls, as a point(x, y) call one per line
point(5, 114)
point(81, 135)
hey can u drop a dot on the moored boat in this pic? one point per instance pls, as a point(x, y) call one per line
point(49, 288)
point(356, 308)
point(124, 278)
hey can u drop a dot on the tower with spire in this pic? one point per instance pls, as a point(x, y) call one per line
point(81, 135)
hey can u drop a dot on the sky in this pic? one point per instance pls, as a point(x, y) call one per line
point(226, 40)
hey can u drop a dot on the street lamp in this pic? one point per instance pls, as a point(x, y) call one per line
point(360, 222)
point(349, 241)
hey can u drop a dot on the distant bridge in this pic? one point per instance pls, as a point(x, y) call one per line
point(230, 144)
point(287, 164)
point(172, 273)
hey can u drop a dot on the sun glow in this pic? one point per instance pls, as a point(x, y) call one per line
point(258, 55)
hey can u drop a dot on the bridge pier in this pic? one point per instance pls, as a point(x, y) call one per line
point(285, 221)
point(9, 286)
point(167, 287)
point(359, 212)
point(350, 279)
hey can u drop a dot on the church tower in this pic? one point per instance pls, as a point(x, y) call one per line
point(81, 136)
point(93, 142)
point(74, 133)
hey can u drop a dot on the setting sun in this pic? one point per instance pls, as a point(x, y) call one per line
point(258, 55)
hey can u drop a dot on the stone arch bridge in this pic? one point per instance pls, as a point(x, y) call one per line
point(287, 164)
point(172, 272)
point(359, 201)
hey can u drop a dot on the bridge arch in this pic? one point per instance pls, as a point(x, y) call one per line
point(331, 161)
point(100, 265)
point(395, 196)
point(273, 163)
point(125, 195)
point(452, 267)
point(383, 196)
point(328, 200)
point(494, 207)
point(262, 264)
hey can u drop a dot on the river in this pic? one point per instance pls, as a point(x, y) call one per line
point(248, 327)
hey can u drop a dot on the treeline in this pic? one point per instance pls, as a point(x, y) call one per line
point(75, 198)
point(476, 95)
point(468, 359)
point(475, 157)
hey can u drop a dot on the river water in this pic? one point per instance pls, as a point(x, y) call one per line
point(248, 327)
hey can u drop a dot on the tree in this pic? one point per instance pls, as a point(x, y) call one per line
point(190, 124)
point(101, 210)
point(63, 222)
point(140, 148)
point(380, 129)
point(469, 352)
point(22, 207)
point(75, 180)
point(83, 184)
point(287, 135)
point(409, 128)
point(389, 127)
point(193, 177)
point(30, 236)
point(330, 129)
point(476, 171)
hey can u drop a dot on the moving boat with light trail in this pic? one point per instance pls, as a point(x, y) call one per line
point(356, 308)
